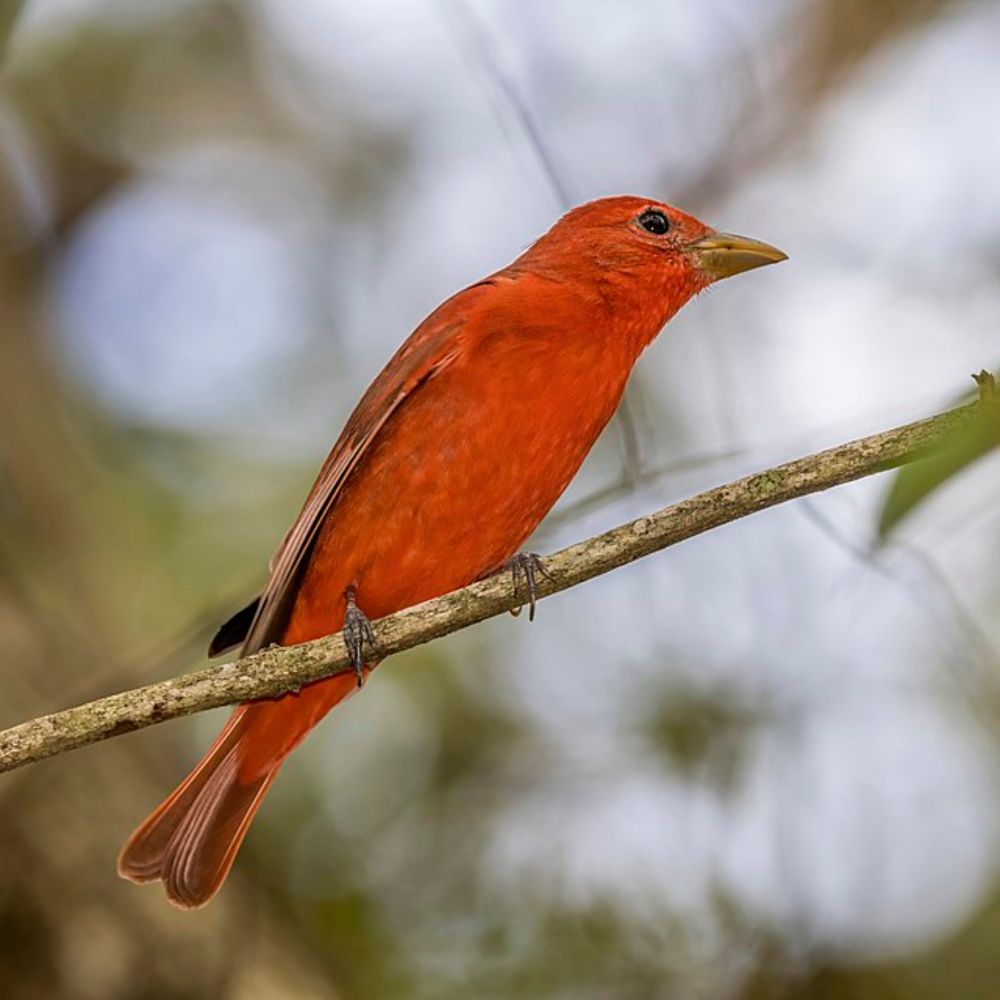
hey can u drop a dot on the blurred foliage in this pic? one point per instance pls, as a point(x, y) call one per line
point(703, 735)
point(913, 484)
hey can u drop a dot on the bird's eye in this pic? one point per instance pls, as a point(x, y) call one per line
point(654, 222)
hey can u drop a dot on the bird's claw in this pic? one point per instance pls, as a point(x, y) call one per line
point(358, 631)
point(526, 566)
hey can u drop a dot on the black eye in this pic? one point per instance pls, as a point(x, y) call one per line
point(654, 222)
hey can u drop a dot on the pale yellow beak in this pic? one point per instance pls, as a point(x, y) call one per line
point(721, 255)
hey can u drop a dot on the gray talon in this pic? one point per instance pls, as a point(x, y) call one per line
point(358, 631)
point(527, 566)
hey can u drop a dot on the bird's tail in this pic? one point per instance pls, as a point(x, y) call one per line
point(190, 841)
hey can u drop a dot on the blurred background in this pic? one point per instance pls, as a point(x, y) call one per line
point(762, 764)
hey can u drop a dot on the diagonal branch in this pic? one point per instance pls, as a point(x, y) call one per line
point(277, 670)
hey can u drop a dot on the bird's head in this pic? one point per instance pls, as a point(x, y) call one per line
point(643, 257)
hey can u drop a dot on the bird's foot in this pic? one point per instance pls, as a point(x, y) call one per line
point(526, 567)
point(358, 631)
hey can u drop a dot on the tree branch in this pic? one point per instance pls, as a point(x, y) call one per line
point(277, 670)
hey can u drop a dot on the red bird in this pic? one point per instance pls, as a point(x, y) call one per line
point(453, 456)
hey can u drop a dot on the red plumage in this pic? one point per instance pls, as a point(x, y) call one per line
point(451, 459)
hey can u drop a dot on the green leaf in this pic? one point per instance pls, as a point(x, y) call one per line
point(915, 482)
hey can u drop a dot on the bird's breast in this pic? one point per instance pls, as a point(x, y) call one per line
point(459, 477)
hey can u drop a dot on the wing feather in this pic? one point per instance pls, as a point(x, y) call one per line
point(433, 346)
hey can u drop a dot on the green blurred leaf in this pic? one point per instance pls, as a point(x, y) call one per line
point(9, 14)
point(915, 482)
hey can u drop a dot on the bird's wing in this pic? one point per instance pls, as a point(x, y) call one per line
point(431, 347)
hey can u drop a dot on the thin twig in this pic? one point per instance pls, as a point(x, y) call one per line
point(277, 670)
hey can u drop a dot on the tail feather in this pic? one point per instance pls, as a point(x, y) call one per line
point(206, 843)
point(190, 841)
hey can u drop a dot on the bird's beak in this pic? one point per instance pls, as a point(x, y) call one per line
point(721, 255)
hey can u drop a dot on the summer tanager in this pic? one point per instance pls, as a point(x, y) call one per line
point(453, 456)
